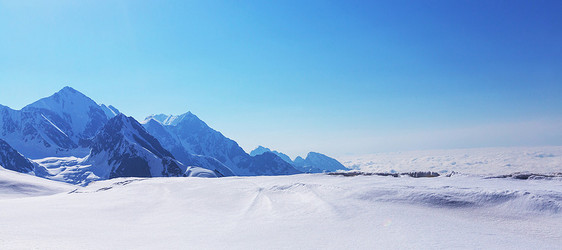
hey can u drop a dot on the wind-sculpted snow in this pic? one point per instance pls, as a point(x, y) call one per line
point(18, 185)
point(290, 212)
point(512, 199)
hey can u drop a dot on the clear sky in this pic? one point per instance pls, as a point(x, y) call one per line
point(338, 77)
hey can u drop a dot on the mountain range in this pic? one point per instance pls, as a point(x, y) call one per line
point(313, 163)
point(71, 138)
point(186, 135)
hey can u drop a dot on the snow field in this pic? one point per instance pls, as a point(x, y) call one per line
point(290, 212)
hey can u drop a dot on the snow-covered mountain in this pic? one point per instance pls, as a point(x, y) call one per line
point(12, 160)
point(33, 134)
point(187, 134)
point(173, 144)
point(260, 150)
point(314, 162)
point(317, 163)
point(123, 148)
point(73, 139)
point(75, 114)
point(59, 125)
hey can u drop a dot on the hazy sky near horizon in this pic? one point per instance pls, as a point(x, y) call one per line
point(338, 77)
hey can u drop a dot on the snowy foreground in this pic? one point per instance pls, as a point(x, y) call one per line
point(282, 212)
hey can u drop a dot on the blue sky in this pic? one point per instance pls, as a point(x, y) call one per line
point(339, 77)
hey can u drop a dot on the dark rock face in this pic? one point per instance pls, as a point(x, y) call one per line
point(12, 160)
point(125, 146)
point(131, 166)
point(171, 167)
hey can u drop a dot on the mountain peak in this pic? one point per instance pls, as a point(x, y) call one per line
point(71, 112)
point(172, 120)
point(109, 111)
point(317, 162)
point(69, 90)
point(67, 99)
point(119, 120)
point(313, 154)
point(69, 94)
point(157, 117)
point(259, 150)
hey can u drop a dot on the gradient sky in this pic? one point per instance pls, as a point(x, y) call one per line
point(338, 77)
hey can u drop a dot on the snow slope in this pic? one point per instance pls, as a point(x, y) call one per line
point(291, 212)
point(483, 161)
point(18, 185)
